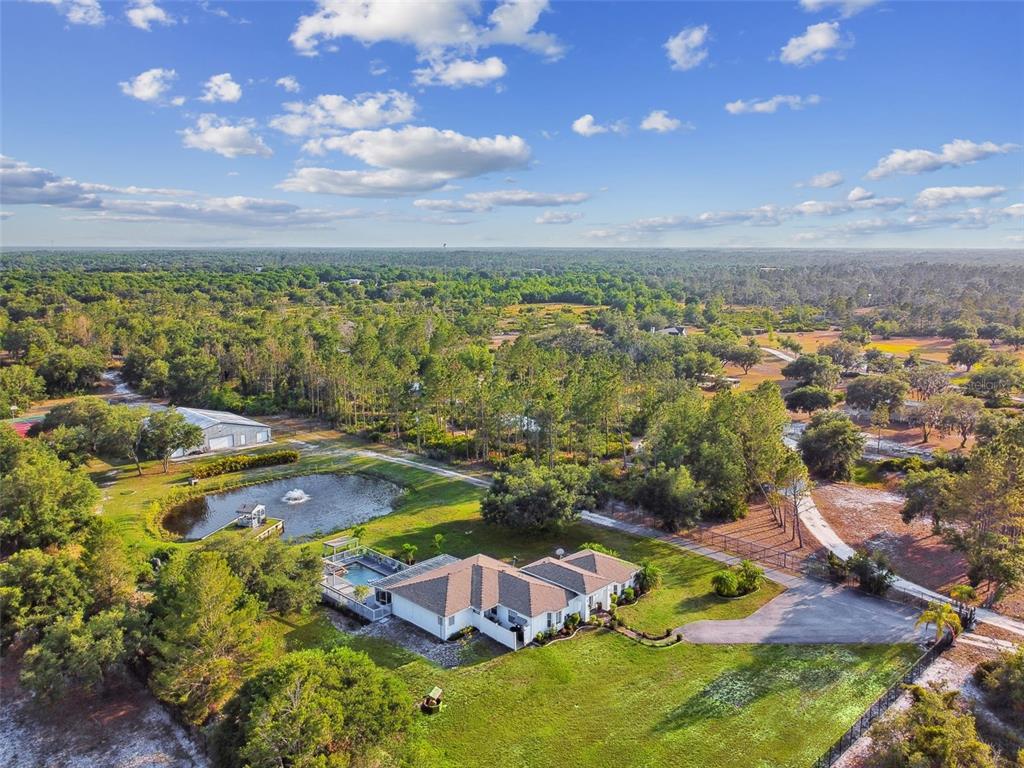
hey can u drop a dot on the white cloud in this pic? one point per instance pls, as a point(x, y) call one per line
point(770, 106)
point(858, 194)
point(221, 88)
point(954, 154)
point(332, 113)
point(412, 160)
point(143, 13)
point(648, 228)
point(438, 31)
point(658, 120)
point(813, 45)
point(687, 50)
point(150, 85)
point(825, 180)
point(1016, 210)
point(216, 134)
point(425, 149)
point(938, 197)
point(386, 183)
point(847, 8)
point(86, 12)
point(486, 201)
point(378, 68)
point(586, 125)
point(22, 184)
point(289, 83)
point(558, 217)
point(456, 73)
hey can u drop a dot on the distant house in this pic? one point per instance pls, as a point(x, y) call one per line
point(511, 605)
point(672, 330)
point(223, 431)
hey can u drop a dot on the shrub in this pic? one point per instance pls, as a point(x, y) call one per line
point(245, 461)
point(650, 576)
point(725, 584)
point(629, 594)
point(872, 571)
point(838, 570)
point(540, 639)
point(749, 576)
point(572, 621)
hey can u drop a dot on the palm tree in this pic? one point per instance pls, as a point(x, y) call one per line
point(943, 617)
point(439, 543)
point(409, 552)
point(358, 531)
point(361, 592)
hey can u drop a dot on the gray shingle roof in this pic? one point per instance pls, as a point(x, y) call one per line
point(613, 568)
point(565, 574)
point(480, 582)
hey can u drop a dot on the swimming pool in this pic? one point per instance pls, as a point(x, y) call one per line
point(360, 573)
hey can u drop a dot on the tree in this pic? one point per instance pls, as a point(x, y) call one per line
point(1002, 680)
point(854, 334)
point(19, 388)
point(43, 502)
point(928, 494)
point(960, 415)
point(438, 543)
point(934, 732)
point(168, 431)
point(109, 572)
point(284, 577)
point(78, 653)
point(36, 589)
point(813, 370)
point(958, 330)
point(880, 420)
point(967, 353)
point(650, 576)
point(870, 392)
point(206, 642)
point(927, 416)
point(943, 616)
point(314, 708)
point(995, 384)
point(535, 497)
point(843, 353)
point(809, 399)
point(670, 494)
point(409, 552)
point(831, 445)
point(122, 433)
point(746, 357)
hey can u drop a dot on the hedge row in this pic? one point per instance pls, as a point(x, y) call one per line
point(248, 461)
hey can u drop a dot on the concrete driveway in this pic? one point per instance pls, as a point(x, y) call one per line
point(814, 613)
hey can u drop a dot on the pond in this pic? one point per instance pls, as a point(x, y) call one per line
point(308, 504)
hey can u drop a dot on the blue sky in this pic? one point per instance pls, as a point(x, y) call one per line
point(809, 123)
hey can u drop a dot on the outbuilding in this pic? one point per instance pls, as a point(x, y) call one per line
point(223, 431)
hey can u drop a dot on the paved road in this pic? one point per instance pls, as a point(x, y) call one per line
point(785, 357)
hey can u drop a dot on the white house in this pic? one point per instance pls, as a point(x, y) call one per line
point(510, 605)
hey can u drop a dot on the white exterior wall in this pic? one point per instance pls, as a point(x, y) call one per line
point(504, 636)
point(414, 614)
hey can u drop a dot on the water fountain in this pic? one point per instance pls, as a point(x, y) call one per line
point(296, 496)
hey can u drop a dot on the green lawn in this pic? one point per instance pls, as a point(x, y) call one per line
point(598, 698)
point(604, 700)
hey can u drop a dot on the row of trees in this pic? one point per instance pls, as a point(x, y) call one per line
point(90, 613)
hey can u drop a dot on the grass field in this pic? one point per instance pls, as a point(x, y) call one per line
point(603, 699)
point(598, 697)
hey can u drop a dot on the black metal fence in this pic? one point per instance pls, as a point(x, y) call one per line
point(881, 704)
point(771, 556)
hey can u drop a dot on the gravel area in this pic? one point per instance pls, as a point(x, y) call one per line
point(126, 728)
point(445, 654)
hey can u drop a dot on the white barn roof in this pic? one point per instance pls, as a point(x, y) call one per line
point(204, 419)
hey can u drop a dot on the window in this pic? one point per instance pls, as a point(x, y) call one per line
point(551, 620)
point(558, 618)
point(451, 621)
point(440, 621)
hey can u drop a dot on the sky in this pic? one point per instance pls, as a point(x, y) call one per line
point(362, 123)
